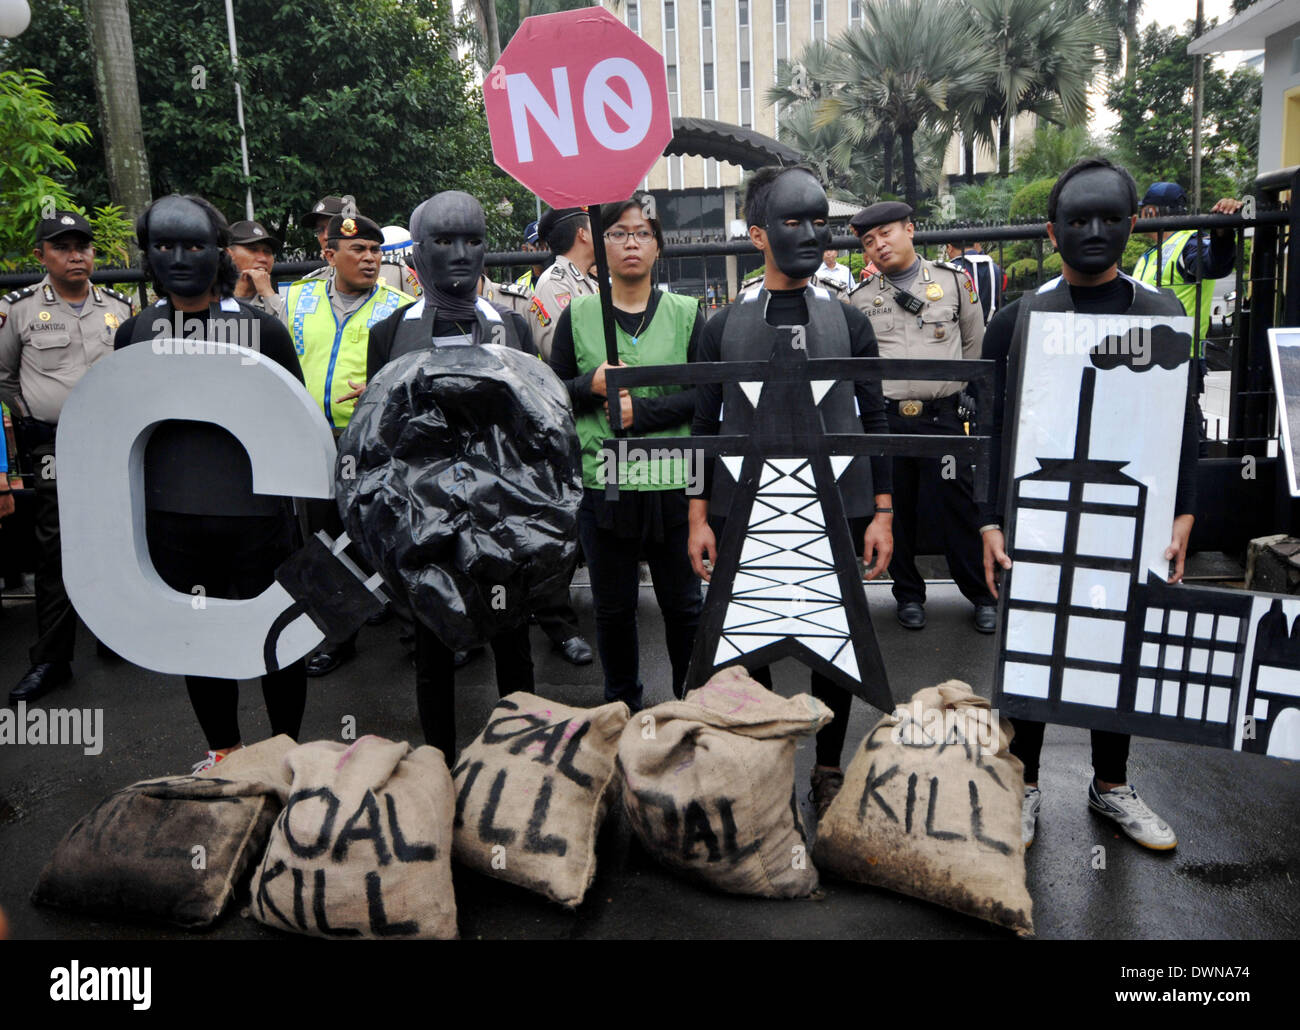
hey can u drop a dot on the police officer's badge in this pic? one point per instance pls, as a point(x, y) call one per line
point(111, 320)
point(44, 316)
point(933, 291)
point(349, 227)
point(878, 301)
point(67, 220)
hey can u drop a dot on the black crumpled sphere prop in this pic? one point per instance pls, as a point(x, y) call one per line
point(459, 477)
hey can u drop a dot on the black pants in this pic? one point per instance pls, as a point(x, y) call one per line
point(830, 738)
point(962, 544)
point(56, 620)
point(1109, 751)
point(556, 616)
point(233, 557)
point(612, 563)
point(435, 680)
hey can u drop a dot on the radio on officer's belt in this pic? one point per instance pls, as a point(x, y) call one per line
point(911, 303)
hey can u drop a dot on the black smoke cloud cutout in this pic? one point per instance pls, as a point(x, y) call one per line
point(1162, 346)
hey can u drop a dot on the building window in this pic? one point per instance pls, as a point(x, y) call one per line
point(819, 19)
point(708, 78)
point(670, 16)
point(855, 12)
point(742, 13)
point(706, 14)
point(633, 15)
point(782, 31)
point(673, 100)
point(744, 75)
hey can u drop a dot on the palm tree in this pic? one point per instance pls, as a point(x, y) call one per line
point(893, 77)
point(1044, 60)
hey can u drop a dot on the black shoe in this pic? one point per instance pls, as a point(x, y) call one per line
point(986, 618)
point(41, 678)
point(912, 615)
point(325, 661)
point(384, 614)
point(576, 651)
point(462, 658)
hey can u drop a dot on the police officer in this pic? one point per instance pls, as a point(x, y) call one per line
point(531, 242)
point(318, 219)
point(924, 309)
point(567, 231)
point(984, 272)
point(1187, 261)
point(253, 251)
point(330, 321)
point(50, 334)
point(506, 295)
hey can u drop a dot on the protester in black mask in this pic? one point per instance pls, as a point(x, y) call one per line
point(787, 213)
point(448, 232)
point(1091, 212)
point(205, 526)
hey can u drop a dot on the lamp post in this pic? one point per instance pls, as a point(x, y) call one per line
point(239, 107)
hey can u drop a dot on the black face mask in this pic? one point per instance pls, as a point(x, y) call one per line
point(797, 249)
point(449, 231)
point(183, 252)
point(1093, 215)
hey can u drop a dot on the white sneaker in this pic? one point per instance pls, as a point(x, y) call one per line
point(1133, 816)
point(207, 763)
point(1029, 806)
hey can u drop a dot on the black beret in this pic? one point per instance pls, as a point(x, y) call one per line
point(880, 214)
point(358, 227)
point(551, 219)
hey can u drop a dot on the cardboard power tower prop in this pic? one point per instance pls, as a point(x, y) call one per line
point(1092, 633)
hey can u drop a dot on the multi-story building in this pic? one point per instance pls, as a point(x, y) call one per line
point(721, 56)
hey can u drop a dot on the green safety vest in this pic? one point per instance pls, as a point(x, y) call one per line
point(330, 353)
point(663, 342)
point(1171, 278)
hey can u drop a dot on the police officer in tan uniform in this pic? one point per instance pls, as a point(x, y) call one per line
point(567, 231)
point(518, 299)
point(50, 334)
point(924, 309)
point(253, 251)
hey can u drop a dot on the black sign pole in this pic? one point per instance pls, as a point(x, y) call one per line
point(606, 310)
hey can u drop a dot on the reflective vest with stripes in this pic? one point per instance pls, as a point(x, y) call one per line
point(1171, 276)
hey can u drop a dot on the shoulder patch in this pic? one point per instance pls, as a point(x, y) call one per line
point(951, 265)
point(17, 295)
point(515, 290)
point(557, 272)
point(117, 296)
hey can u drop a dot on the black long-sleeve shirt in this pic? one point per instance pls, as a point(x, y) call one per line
point(789, 307)
point(1112, 298)
point(379, 344)
point(199, 468)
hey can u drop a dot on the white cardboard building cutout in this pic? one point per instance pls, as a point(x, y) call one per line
point(103, 430)
point(1284, 352)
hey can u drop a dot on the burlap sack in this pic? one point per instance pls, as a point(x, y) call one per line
point(708, 783)
point(363, 846)
point(931, 808)
point(532, 791)
point(263, 762)
point(172, 849)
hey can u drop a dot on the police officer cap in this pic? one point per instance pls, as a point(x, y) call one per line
point(326, 207)
point(63, 221)
point(246, 234)
point(358, 227)
point(551, 219)
point(530, 233)
point(1164, 194)
point(879, 214)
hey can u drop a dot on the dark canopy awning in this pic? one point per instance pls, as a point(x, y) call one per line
point(702, 137)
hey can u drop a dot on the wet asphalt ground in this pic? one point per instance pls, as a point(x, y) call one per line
point(1235, 874)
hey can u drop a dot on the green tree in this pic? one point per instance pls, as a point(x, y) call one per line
point(893, 76)
point(1043, 59)
point(1051, 150)
point(365, 97)
point(33, 151)
point(1154, 134)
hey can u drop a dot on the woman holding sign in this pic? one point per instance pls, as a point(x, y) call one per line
point(649, 517)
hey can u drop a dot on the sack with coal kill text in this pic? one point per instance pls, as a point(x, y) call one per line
point(363, 846)
point(708, 783)
point(532, 791)
point(173, 849)
point(931, 808)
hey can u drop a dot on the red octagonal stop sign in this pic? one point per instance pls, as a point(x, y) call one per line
point(578, 107)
